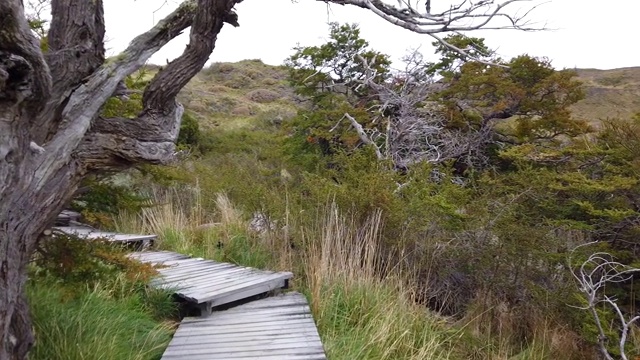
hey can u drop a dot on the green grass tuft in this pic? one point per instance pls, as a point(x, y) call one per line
point(95, 324)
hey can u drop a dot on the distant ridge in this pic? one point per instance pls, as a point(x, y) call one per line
point(227, 94)
point(611, 93)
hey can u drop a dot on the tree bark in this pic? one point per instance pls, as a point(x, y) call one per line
point(51, 132)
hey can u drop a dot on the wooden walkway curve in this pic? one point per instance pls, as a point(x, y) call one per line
point(232, 323)
point(279, 327)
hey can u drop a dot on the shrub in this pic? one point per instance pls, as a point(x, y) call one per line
point(101, 198)
point(263, 96)
point(189, 132)
point(73, 260)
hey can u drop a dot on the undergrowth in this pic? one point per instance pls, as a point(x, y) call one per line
point(88, 301)
point(364, 307)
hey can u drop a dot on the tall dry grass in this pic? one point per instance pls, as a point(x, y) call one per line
point(362, 305)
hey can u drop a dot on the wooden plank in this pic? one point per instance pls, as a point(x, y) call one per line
point(289, 347)
point(318, 356)
point(200, 271)
point(239, 316)
point(209, 283)
point(211, 280)
point(232, 338)
point(299, 324)
point(171, 274)
point(243, 294)
point(271, 282)
point(217, 279)
point(157, 255)
point(93, 234)
point(275, 328)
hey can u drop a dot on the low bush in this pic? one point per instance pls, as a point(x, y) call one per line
point(263, 96)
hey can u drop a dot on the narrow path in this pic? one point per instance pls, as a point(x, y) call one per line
point(278, 327)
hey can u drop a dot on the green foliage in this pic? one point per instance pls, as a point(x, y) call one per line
point(130, 106)
point(529, 91)
point(73, 260)
point(102, 198)
point(355, 323)
point(451, 60)
point(331, 76)
point(190, 135)
point(92, 324)
point(88, 298)
point(585, 186)
point(336, 66)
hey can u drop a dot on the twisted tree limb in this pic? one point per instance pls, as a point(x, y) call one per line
point(51, 133)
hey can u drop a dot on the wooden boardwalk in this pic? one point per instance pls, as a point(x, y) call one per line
point(275, 328)
point(89, 233)
point(207, 284)
point(279, 327)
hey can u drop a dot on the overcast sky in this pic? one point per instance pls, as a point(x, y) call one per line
point(590, 33)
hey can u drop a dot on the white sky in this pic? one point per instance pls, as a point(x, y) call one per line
point(590, 33)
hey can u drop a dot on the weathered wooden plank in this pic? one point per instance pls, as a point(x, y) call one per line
point(318, 356)
point(195, 273)
point(210, 283)
point(191, 286)
point(275, 328)
point(290, 347)
point(200, 274)
point(299, 324)
point(180, 263)
point(270, 281)
point(273, 321)
point(252, 338)
point(256, 354)
point(93, 234)
point(171, 277)
point(158, 256)
point(263, 312)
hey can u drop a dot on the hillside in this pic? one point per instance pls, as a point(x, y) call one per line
point(230, 94)
point(610, 93)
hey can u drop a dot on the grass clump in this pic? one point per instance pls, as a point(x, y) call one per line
point(361, 313)
point(92, 323)
point(89, 301)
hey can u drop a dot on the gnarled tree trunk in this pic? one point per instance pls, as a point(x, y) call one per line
point(51, 131)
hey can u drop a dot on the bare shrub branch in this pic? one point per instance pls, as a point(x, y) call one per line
point(593, 275)
point(412, 129)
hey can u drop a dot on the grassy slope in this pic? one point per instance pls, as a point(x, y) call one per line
point(610, 93)
point(221, 95)
point(228, 95)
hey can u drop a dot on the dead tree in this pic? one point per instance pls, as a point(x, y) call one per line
point(52, 133)
point(409, 127)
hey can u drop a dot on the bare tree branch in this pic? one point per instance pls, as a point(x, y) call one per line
point(414, 128)
point(592, 276)
point(458, 17)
